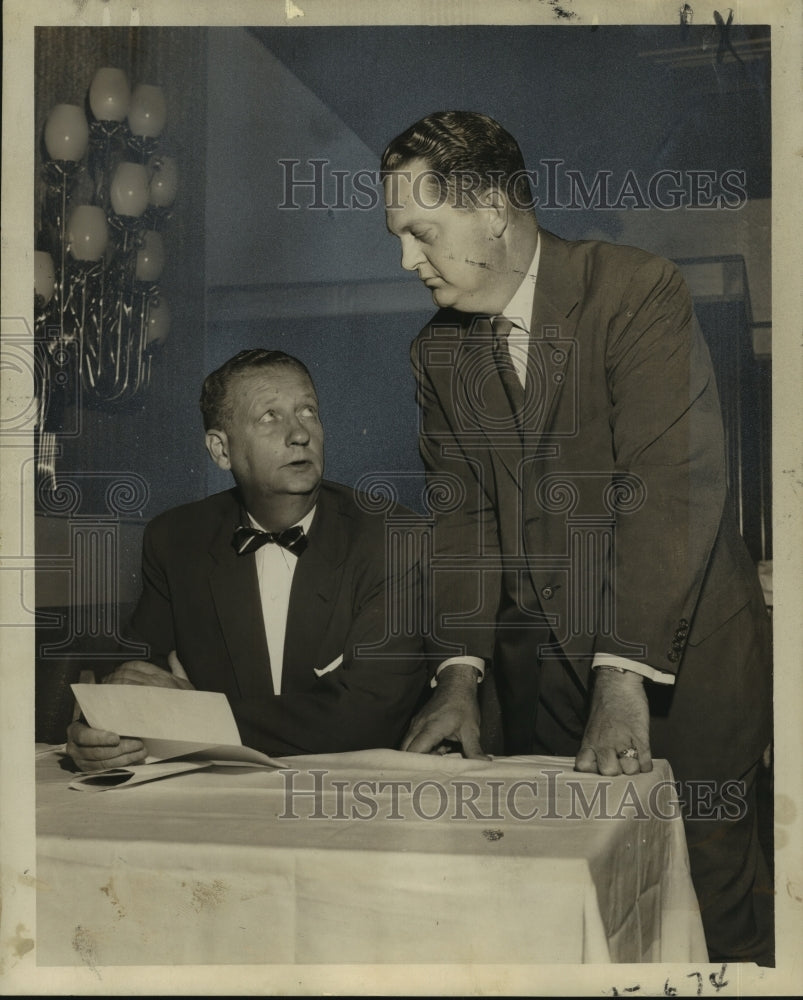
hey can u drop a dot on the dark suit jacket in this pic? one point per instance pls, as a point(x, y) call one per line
point(605, 526)
point(202, 599)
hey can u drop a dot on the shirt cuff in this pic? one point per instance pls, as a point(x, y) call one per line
point(651, 673)
point(473, 661)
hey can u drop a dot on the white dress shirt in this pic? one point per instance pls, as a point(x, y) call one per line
point(519, 311)
point(275, 568)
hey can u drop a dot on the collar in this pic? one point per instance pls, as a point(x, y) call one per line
point(520, 308)
point(305, 521)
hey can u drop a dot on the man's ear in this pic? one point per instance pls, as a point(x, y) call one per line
point(217, 444)
point(495, 203)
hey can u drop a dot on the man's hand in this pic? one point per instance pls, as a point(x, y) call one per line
point(97, 750)
point(452, 713)
point(619, 718)
point(149, 675)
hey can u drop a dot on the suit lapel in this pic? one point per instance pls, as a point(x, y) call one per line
point(553, 323)
point(316, 584)
point(235, 591)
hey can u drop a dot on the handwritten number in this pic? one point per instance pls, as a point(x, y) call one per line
point(718, 981)
point(699, 982)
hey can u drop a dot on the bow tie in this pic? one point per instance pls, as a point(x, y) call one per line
point(247, 539)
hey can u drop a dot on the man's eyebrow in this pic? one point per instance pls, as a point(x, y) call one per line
point(265, 398)
point(269, 399)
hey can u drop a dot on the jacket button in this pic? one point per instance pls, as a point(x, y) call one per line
point(684, 623)
point(547, 593)
point(672, 657)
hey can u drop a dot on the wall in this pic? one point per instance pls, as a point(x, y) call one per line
point(325, 282)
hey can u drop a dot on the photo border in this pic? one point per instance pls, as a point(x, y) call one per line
point(18, 971)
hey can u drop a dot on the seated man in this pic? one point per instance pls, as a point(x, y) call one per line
point(273, 592)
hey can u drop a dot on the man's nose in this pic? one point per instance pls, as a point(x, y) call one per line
point(297, 432)
point(411, 256)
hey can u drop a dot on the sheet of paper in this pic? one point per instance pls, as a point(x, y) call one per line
point(196, 726)
point(159, 714)
point(210, 753)
point(135, 774)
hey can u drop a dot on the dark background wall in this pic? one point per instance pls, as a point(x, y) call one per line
point(325, 283)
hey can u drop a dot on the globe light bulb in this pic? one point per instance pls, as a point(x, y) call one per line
point(44, 275)
point(66, 133)
point(164, 180)
point(109, 95)
point(87, 234)
point(158, 323)
point(148, 112)
point(129, 190)
point(151, 258)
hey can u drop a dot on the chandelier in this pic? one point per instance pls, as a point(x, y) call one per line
point(99, 315)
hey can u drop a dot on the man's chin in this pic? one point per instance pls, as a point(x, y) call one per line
point(450, 298)
point(442, 297)
point(303, 480)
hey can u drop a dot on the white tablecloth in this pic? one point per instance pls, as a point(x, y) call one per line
point(212, 868)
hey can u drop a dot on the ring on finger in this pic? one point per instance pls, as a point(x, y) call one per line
point(630, 752)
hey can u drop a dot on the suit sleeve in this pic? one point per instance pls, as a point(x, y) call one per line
point(669, 453)
point(467, 577)
point(152, 620)
point(367, 701)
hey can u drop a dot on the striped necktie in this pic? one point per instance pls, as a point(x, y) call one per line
point(501, 327)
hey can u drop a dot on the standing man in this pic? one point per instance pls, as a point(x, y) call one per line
point(279, 592)
point(591, 561)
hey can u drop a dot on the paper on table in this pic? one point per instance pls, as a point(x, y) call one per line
point(134, 774)
point(171, 723)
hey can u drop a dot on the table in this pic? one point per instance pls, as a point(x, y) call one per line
point(367, 857)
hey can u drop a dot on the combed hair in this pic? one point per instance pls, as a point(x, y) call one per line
point(468, 143)
point(217, 406)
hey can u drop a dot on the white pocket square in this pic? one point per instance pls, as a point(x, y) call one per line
point(329, 667)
